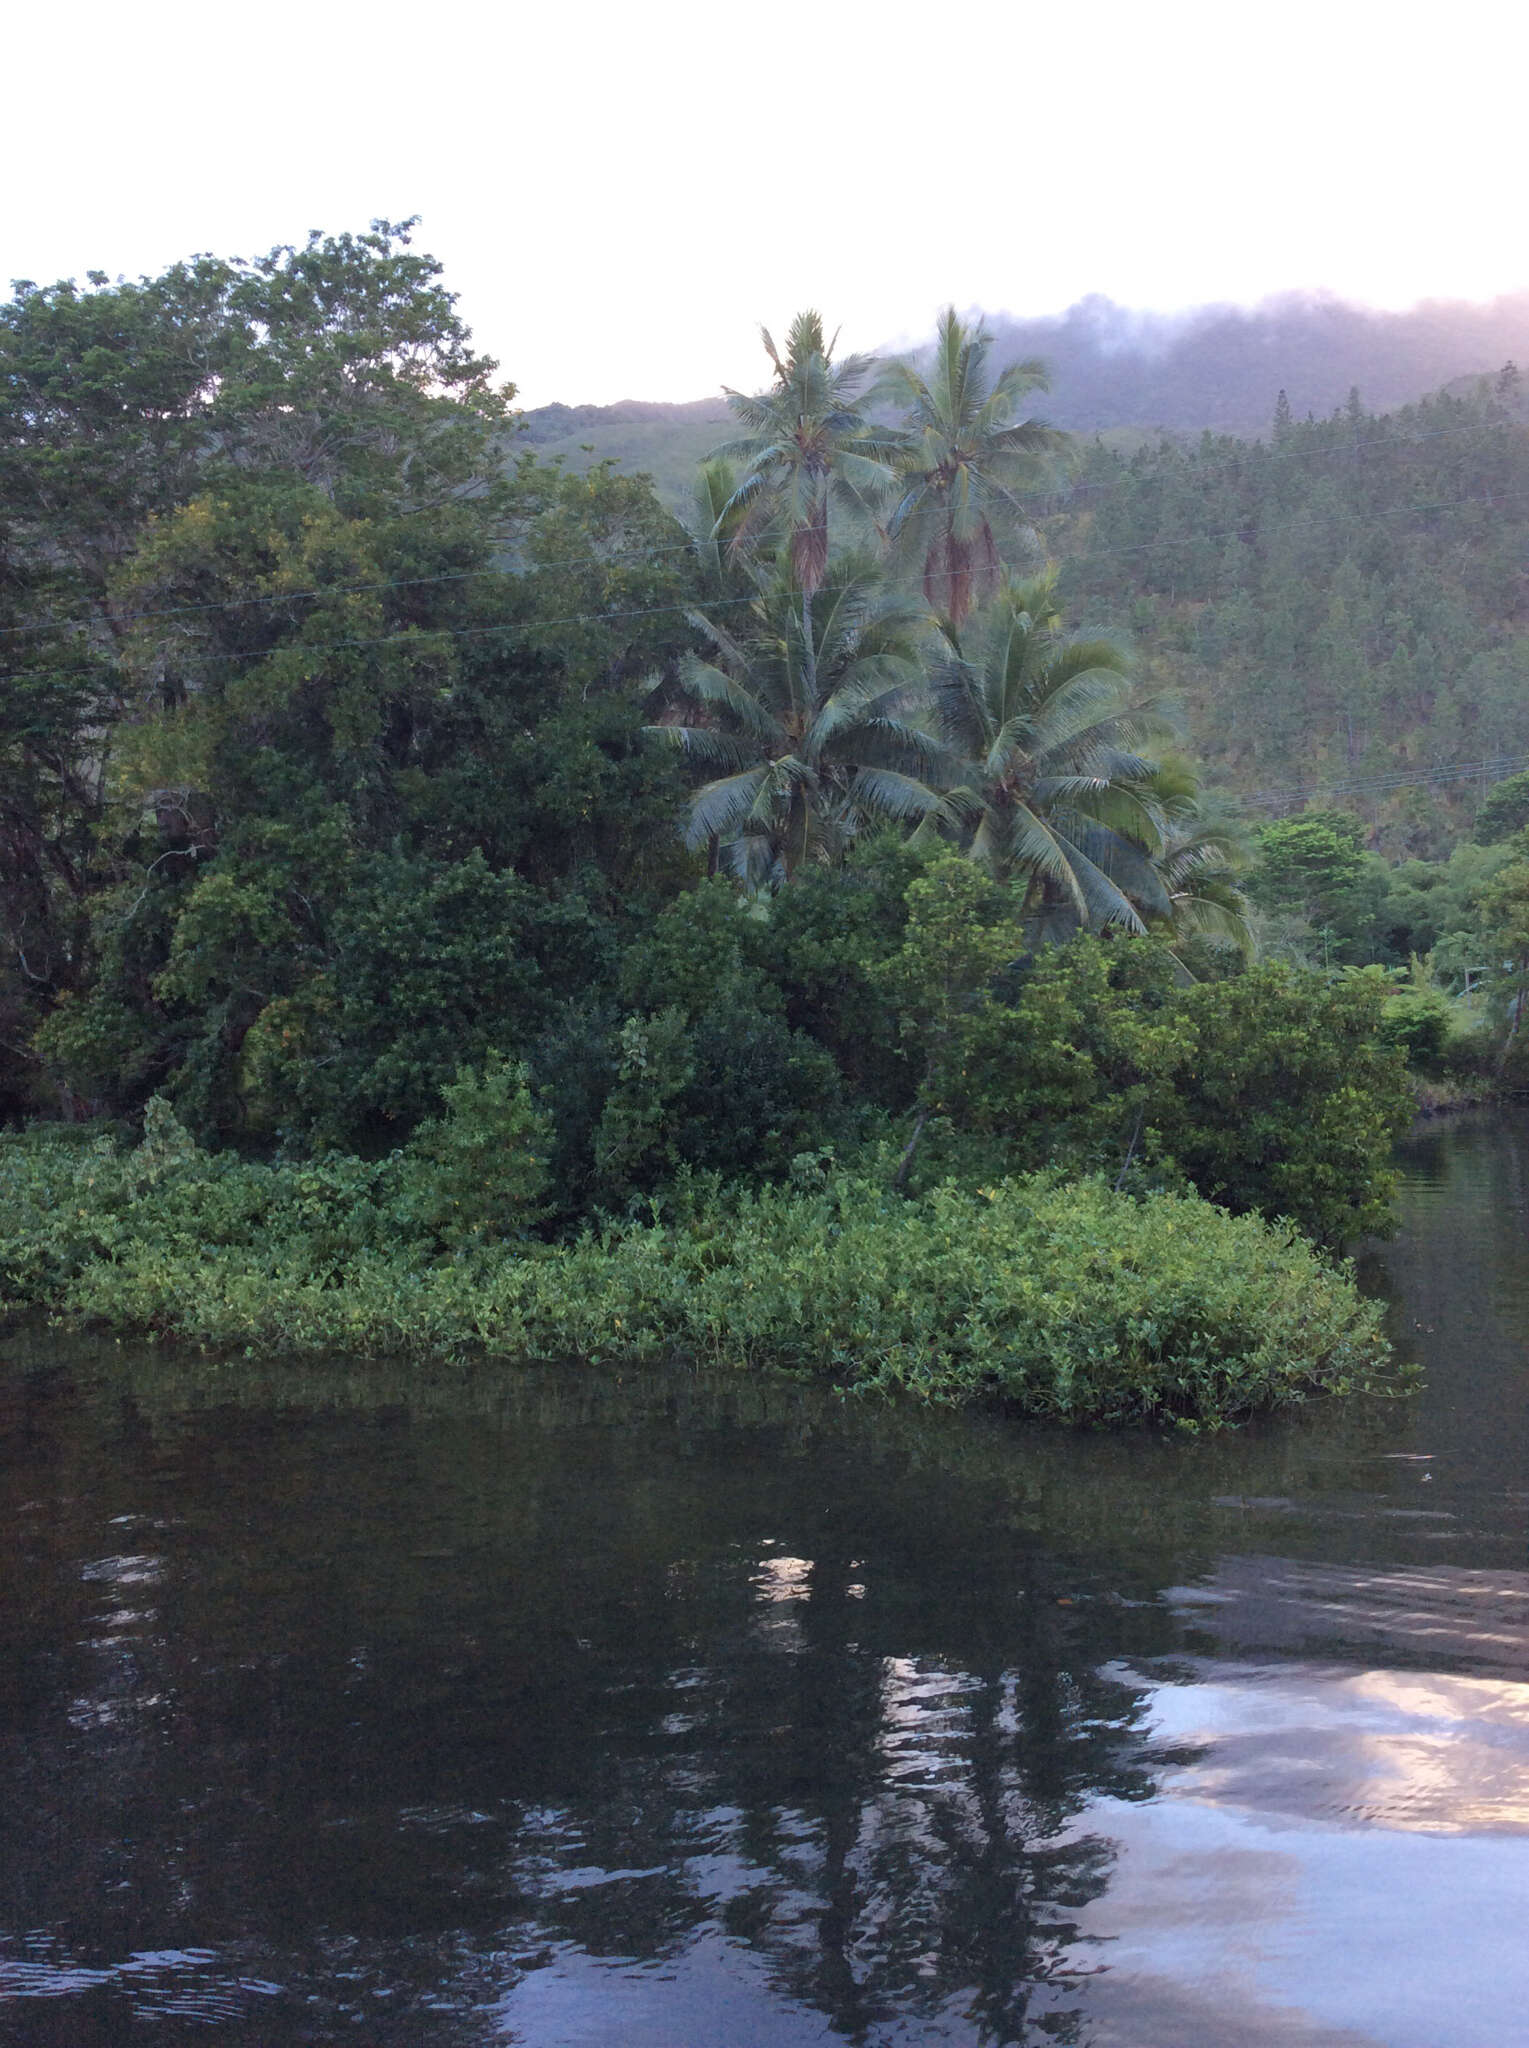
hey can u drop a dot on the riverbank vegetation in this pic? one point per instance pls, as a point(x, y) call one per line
point(1064, 1300)
point(451, 902)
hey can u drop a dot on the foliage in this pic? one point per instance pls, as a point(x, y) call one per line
point(1337, 603)
point(1055, 785)
point(1063, 1302)
point(1504, 811)
point(1313, 869)
point(1290, 1102)
point(803, 728)
point(1430, 907)
point(478, 1173)
point(1271, 1090)
point(808, 444)
point(1504, 929)
point(1417, 1021)
point(820, 944)
point(375, 799)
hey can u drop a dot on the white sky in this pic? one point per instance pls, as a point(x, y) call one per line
point(621, 193)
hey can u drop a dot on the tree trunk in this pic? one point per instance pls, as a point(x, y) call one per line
point(903, 1164)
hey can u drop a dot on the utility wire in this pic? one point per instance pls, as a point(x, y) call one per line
point(1495, 768)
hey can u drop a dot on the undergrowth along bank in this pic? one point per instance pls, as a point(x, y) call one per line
point(1063, 1300)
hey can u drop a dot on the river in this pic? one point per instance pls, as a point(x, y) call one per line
point(467, 1708)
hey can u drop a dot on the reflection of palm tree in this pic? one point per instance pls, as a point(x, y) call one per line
point(962, 454)
point(1056, 786)
point(800, 749)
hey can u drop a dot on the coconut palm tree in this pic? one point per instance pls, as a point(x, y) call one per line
point(1055, 784)
point(963, 453)
point(797, 752)
point(808, 445)
point(1202, 854)
point(714, 524)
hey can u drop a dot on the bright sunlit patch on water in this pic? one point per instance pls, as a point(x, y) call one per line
point(1420, 1752)
point(1328, 1860)
point(1241, 1927)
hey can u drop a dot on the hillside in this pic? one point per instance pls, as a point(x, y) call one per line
point(1220, 366)
point(664, 442)
point(1343, 608)
point(1114, 370)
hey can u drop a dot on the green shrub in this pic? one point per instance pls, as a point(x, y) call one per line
point(1064, 1301)
point(478, 1174)
point(1289, 1103)
point(1416, 1023)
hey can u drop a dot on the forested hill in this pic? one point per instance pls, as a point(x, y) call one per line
point(1340, 606)
point(664, 442)
point(1220, 366)
point(1344, 607)
point(1110, 368)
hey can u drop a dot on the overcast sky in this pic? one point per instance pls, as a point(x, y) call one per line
point(620, 194)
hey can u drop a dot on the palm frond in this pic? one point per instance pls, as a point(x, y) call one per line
point(718, 808)
point(890, 795)
point(703, 743)
point(704, 683)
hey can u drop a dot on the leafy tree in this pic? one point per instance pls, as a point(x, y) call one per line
point(1290, 1101)
point(1058, 1056)
point(1503, 926)
point(1430, 907)
point(1504, 811)
point(960, 934)
point(477, 1174)
point(333, 383)
point(1314, 869)
point(822, 944)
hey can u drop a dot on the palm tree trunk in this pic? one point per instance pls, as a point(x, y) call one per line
point(903, 1164)
point(1518, 1017)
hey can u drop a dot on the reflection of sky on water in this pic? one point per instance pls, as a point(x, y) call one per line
point(1338, 1855)
point(1331, 1854)
point(1225, 1925)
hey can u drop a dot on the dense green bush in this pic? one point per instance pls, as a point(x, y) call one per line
point(1067, 1302)
point(1271, 1090)
point(478, 1174)
point(1290, 1103)
point(1417, 1023)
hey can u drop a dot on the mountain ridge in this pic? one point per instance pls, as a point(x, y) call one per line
point(1216, 368)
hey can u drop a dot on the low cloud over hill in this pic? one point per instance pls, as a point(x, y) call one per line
point(1222, 367)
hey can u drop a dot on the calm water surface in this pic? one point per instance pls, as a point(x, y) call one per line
point(340, 1705)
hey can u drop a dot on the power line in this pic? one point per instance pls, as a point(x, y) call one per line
point(1494, 769)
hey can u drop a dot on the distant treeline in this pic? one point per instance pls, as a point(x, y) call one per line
point(1343, 604)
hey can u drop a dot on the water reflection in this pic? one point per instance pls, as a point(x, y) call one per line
point(467, 1709)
